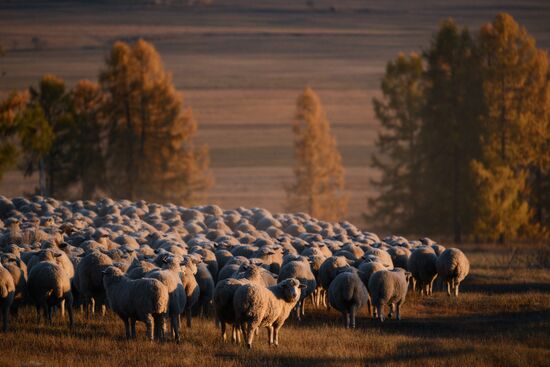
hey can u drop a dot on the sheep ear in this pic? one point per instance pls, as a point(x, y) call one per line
point(56, 254)
point(302, 286)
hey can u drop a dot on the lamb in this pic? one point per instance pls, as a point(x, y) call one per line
point(389, 287)
point(49, 286)
point(348, 294)
point(421, 264)
point(7, 294)
point(256, 306)
point(452, 267)
point(302, 271)
point(143, 300)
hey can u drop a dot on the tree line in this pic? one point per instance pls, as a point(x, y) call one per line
point(127, 136)
point(465, 142)
point(463, 148)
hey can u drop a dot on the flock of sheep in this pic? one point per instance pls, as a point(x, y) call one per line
point(154, 263)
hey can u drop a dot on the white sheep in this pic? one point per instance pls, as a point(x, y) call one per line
point(257, 306)
point(452, 266)
point(301, 270)
point(143, 300)
point(49, 286)
point(389, 287)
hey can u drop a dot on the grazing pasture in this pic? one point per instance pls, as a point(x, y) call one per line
point(502, 317)
point(241, 65)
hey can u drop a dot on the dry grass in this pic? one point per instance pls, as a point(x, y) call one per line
point(502, 319)
point(241, 65)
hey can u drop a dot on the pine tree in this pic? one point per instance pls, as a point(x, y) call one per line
point(449, 137)
point(399, 112)
point(319, 185)
point(150, 152)
point(513, 78)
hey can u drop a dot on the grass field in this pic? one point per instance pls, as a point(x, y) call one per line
point(502, 318)
point(241, 65)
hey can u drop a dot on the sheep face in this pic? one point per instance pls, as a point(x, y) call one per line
point(292, 289)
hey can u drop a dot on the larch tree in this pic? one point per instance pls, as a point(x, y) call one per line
point(513, 78)
point(150, 153)
point(11, 110)
point(399, 112)
point(319, 183)
point(449, 137)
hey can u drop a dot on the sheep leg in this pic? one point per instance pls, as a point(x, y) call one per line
point(303, 308)
point(398, 311)
point(38, 311)
point(269, 335)
point(69, 303)
point(149, 326)
point(176, 328)
point(49, 311)
point(189, 317)
point(346, 320)
point(250, 331)
point(127, 327)
point(352, 317)
point(63, 309)
point(133, 327)
point(159, 327)
point(276, 335)
point(369, 307)
point(390, 314)
point(449, 289)
point(456, 289)
point(380, 312)
point(222, 326)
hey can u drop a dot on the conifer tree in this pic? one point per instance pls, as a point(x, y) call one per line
point(450, 131)
point(88, 137)
point(150, 152)
point(319, 176)
point(399, 112)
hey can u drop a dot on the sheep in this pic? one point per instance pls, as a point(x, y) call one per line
point(138, 269)
point(382, 256)
point(400, 256)
point(206, 284)
point(143, 300)
point(88, 279)
point(223, 304)
point(302, 271)
point(7, 294)
point(330, 268)
point(257, 306)
point(49, 286)
point(452, 267)
point(18, 271)
point(421, 264)
point(389, 287)
point(169, 276)
point(192, 290)
point(348, 294)
point(365, 271)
